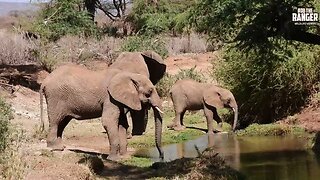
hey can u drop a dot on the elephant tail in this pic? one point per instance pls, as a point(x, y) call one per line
point(41, 108)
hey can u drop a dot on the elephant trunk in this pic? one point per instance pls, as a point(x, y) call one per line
point(158, 130)
point(235, 121)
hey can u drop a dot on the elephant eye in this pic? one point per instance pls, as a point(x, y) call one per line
point(148, 94)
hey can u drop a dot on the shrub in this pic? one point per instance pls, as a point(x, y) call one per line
point(271, 83)
point(5, 115)
point(64, 17)
point(78, 50)
point(165, 84)
point(143, 43)
point(15, 50)
point(163, 16)
point(11, 163)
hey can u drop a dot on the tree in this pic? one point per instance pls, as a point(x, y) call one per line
point(114, 10)
point(253, 22)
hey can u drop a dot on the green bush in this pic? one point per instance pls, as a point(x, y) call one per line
point(64, 17)
point(164, 16)
point(12, 163)
point(5, 115)
point(143, 43)
point(271, 83)
point(165, 84)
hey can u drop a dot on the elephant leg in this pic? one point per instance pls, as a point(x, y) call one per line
point(53, 138)
point(110, 122)
point(62, 125)
point(180, 126)
point(218, 120)
point(123, 126)
point(209, 113)
point(177, 123)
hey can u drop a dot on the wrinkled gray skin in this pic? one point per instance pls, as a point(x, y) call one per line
point(191, 95)
point(72, 91)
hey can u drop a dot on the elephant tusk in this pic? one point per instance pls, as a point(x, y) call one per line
point(158, 109)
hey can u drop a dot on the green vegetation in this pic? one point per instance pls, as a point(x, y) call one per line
point(5, 115)
point(11, 162)
point(64, 17)
point(161, 17)
point(271, 130)
point(270, 75)
point(138, 162)
point(273, 85)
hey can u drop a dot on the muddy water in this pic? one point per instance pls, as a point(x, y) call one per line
point(256, 157)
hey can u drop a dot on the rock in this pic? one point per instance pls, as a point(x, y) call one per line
point(316, 145)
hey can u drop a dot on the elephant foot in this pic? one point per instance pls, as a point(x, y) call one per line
point(113, 157)
point(129, 136)
point(179, 128)
point(56, 145)
point(170, 126)
point(125, 156)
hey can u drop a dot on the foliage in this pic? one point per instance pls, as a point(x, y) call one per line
point(271, 85)
point(63, 17)
point(143, 43)
point(165, 84)
point(5, 113)
point(11, 162)
point(270, 130)
point(270, 76)
point(163, 16)
point(250, 23)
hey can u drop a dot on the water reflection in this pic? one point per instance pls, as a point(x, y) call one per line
point(256, 157)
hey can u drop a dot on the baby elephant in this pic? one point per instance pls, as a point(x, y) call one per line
point(188, 94)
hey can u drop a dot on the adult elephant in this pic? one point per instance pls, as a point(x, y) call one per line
point(90, 90)
point(188, 94)
point(73, 91)
point(149, 64)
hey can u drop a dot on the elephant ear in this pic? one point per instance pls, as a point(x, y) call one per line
point(212, 97)
point(123, 89)
point(156, 65)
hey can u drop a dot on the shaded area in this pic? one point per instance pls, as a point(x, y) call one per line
point(299, 164)
point(24, 75)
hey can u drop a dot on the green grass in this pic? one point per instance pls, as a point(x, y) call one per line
point(196, 120)
point(138, 161)
point(271, 130)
